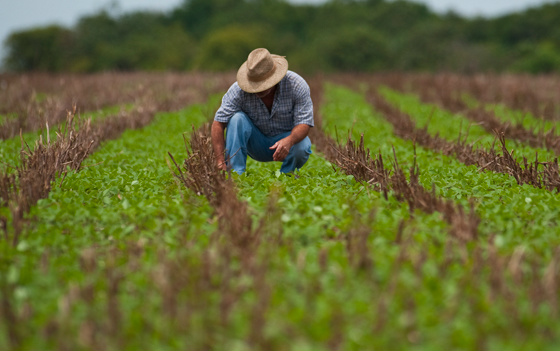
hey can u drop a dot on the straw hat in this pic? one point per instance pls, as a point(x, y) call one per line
point(261, 71)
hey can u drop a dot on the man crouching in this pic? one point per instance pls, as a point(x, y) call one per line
point(266, 114)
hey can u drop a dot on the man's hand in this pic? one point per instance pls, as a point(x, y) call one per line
point(218, 143)
point(222, 165)
point(282, 148)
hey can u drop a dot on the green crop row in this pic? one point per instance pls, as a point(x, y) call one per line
point(6, 117)
point(451, 126)
point(509, 115)
point(526, 119)
point(321, 203)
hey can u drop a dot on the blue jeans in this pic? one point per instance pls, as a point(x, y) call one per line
point(243, 138)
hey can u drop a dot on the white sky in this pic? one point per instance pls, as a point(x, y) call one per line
point(23, 14)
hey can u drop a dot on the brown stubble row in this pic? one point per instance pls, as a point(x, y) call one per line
point(40, 98)
point(237, 238)
point(42, 163)
point(201, 175)
point(445, 90)
point(45, 161)
point(536, 173)
point(355, 159)
point(538, 95)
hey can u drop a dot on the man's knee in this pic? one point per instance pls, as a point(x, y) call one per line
point(239, 119)
point(239, 126)
point(302, 150)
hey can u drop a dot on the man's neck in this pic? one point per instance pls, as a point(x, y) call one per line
point(268, 100)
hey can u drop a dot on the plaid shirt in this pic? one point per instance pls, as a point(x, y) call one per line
point(292, 106)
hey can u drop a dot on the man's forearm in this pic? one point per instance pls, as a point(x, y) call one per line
point(218, 141)
point(299, 133)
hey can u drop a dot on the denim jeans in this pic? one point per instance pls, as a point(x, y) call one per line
point(243, 138)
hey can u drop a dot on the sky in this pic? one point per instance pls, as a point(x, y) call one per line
point(25, 14)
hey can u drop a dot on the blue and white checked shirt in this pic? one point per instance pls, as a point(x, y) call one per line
point(292, 106)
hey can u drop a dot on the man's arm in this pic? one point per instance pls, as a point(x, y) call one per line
point(283, 146)
point(219, 143)
point(231, 103)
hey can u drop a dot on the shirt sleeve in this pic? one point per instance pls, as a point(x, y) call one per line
point(231, 104)
point(303, 107)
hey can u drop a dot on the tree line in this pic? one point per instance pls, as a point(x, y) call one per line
point(338, 35)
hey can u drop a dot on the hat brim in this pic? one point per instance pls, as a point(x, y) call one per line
point(256, 87)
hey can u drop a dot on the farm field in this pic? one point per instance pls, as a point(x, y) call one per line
point(425, 219)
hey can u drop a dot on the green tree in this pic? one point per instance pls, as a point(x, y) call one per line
point(198, 16)
point(134, 41)
point(541, 58)
point(354, 49)
point(337, 35)
point(227, 48)
point(39, 49)
point(95, 37)
point(532, 25)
